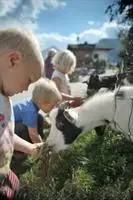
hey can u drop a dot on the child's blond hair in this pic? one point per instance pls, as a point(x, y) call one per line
point(22, 41)
point(45, 90)
point(64, 61)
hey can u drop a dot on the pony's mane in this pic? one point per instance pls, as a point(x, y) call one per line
point(97, 98)
point(102, 97)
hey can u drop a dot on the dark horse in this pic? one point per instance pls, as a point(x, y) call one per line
point(96, 82)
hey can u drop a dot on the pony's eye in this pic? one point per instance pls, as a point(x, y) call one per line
point(120, 94)
point(59, 125)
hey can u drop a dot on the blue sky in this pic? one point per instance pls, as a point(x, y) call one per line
point(59, 22)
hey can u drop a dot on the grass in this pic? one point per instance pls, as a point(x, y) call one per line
point(94, 168)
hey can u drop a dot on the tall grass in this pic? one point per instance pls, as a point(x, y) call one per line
point(94, 168)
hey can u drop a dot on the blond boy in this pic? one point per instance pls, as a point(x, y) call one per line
point(21, 63)
point(45, 96)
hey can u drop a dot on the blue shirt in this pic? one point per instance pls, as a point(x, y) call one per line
point(26, 112)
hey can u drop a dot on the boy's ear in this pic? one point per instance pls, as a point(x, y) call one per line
point(15, 58)
point(40, 103)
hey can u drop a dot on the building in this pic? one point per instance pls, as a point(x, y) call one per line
point(88, 51)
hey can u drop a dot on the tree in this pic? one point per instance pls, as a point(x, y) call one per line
point(126, 53)
point(98, 64)
point(123, 36)
point(96, 56)
point(122, 10)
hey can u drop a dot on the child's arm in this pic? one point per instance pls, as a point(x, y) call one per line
point(57, 81)
point(34, 135)
point(24, 146)
point(76, 101)
point(30, 120)
point(65, 97)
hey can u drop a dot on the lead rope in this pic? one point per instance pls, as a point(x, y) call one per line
point(116, 125)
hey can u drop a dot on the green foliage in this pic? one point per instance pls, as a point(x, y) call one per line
point(94, 168)
point(121, 9)
point(99, 65)
point(122, 12)
point(126, 54)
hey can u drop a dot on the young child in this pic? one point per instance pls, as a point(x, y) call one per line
point(29, 122)
point(64, 63)
point(45, 96)
point(21, 63)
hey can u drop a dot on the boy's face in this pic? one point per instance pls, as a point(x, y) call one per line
point(17, 75)
point(47, 106)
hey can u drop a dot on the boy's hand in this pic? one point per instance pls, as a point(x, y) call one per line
point(76, 101)
point(36, 147)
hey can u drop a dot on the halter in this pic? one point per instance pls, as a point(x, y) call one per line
point(120, 95)
point(61, 110)
point(64, 121)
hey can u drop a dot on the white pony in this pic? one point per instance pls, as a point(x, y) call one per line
point(114, 108)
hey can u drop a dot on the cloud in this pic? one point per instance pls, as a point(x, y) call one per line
point(24, 13)
point(7, 6)
point(61, 41)
point(95, 32)
point(112, 29)
point(28, 25)
point(27, 8)
point(55, 39)
point(91, 35)
point(55, 3)
point(91, 22)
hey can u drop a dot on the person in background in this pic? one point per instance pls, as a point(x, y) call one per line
point(48, 64)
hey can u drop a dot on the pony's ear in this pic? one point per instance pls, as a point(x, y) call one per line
point(71, 116)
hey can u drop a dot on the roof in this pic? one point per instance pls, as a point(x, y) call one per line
point(81, 46)
point(87, 46)
point(103, 48)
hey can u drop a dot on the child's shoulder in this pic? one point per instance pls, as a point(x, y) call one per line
point(26, 105)
point(5, 107)
point(58, 74)
point(4, 101)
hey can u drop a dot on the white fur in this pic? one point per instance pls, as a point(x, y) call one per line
point(103, 90)
point(55, 137)
point(93, 113)
point(126, 82)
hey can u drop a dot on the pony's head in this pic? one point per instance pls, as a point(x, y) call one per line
point(93, 82)
point(63, 129)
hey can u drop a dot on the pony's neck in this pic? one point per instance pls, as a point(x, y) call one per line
point(96, 110)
